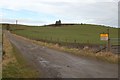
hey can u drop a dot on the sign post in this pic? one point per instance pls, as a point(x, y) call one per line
point(108, 40)
point(105, 37)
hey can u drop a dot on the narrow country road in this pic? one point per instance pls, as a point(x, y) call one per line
point(56, 64)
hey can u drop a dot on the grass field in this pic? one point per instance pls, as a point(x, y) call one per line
point(81, 33)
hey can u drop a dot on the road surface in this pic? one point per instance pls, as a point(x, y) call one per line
point(56, 64)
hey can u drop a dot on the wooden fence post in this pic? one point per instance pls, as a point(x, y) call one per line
point(108, 40)
point(74, 41)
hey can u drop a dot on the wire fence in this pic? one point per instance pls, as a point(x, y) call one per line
point(116, 47)
point(72, 44)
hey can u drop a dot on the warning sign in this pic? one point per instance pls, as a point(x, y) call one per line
point(104, 36)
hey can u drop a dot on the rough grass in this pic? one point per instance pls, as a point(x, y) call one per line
point(14, 65)
point(103, 56)
point(7, 48)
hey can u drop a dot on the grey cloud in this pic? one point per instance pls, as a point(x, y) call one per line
point(119, 14)
point(23, 21)
point(100, 12)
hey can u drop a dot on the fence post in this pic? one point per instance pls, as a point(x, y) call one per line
point(106, 46)
point(109, 46)
point(74, 41)
point(108, 39)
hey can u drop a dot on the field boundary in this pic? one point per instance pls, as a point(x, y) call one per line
point(95, 47)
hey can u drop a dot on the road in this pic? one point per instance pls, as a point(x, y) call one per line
point(56, 64)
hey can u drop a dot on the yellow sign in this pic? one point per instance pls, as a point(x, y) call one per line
point(104, 36)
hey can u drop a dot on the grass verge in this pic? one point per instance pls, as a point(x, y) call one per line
point(103, 56)
point(14, 65)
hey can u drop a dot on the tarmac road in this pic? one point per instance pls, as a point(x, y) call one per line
point(56, 64)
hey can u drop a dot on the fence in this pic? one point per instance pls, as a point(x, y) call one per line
point(115, 45)
point(74, 44)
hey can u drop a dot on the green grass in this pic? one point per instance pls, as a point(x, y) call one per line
point(81, 33)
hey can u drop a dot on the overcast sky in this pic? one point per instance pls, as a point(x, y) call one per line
point(37, 12)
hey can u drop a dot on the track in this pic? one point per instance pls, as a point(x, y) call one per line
point(56, 64)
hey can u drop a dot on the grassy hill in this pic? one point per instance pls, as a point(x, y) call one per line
point(85, 33)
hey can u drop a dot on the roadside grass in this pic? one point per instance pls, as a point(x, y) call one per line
point(103, 56)
point(14, 65)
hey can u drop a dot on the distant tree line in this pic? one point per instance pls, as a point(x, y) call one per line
point(58, 23)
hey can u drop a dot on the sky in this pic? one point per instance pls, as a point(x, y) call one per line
point(41, 12)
